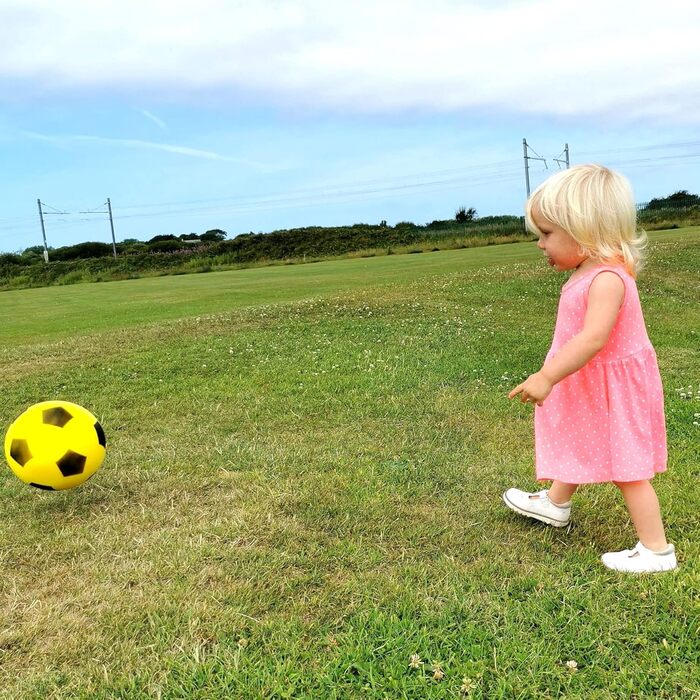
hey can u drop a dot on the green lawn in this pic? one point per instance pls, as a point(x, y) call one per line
point(302, 490)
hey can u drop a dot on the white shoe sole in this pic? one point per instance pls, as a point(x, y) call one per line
point(533, 515)
point(614, 566)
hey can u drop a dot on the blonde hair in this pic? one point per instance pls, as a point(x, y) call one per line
point(595, 206)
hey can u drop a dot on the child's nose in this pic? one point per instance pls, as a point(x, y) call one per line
point(540, 244)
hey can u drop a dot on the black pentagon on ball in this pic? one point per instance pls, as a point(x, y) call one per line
point(42, 486)
point(20, 452)
point(71, 463)
point(100, 435)
point(56, 416)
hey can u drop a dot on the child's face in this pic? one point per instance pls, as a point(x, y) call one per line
point(562, 251)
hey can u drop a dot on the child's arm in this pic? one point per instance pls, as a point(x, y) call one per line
point(605, 298)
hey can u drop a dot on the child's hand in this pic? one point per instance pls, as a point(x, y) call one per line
point(535, 389)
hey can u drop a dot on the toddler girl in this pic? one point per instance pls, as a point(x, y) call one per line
point(599, 402)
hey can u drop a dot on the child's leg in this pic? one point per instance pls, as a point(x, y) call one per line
point(643, 506)
point(560, 492)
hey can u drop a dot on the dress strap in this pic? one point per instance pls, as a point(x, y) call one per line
point(595, 271)
point(619, 270)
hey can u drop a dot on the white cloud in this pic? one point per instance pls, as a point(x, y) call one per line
point(552, 57)
point(64, 141)
point(152, 117)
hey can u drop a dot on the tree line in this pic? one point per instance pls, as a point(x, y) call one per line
point(276, 245)
point(193, 252)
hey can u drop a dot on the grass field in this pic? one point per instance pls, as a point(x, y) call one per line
point(302, 490)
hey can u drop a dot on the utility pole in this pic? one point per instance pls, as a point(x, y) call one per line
point(527, 172)
point(43, 228)
point(566, 156)
point(111, 225)
point(43, 231)
point(111, 222)
point(528, 158)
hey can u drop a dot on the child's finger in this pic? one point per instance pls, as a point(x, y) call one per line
point(515, 391)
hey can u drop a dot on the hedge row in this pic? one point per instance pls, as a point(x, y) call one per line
point(295, 244)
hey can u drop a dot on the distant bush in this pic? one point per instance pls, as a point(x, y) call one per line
point(132, 248)
point(213, 235)
point(10, 259)
point(34, 253)
point(164, 237)
point(678, 200)
point(673, 211)
point(656, 219)
point(462, 215)
point(169, 245)
point(91, 249)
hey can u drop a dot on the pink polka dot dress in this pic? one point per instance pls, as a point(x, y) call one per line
point(604, 422)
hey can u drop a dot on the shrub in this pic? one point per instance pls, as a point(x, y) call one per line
point(165, 246)
point(462, 215)
point(90, 249)
point(213, 235)
point(678, 200)
point(164, 237)
point(132, 248)
point(10, 259)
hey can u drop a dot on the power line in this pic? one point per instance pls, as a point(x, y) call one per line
point(317, 192)
point(322, 192)
point(329, 196)
point(324, 188)
point(650, 147)
point(353, 191)
point(656, 160)
point(319, 197)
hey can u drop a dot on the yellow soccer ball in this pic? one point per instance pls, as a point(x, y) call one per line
point(55, 445)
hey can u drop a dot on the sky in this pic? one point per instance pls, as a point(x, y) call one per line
point(270, 114)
